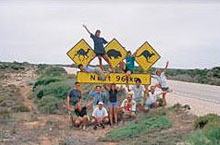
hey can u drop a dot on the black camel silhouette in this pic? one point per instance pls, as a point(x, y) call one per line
point(146, 54)
point(83, 53)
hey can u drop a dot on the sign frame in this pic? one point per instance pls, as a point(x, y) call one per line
point(153, 50)
point(114, 39)
point(75, 46)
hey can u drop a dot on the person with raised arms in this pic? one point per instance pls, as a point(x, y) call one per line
point(99, 47)
point(162, 81)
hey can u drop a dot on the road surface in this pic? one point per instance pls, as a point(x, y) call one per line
point(202, 98)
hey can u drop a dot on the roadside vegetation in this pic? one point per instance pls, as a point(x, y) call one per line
point(207, 131)
point(51, 88)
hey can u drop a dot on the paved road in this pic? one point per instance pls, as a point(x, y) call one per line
point(193, 90)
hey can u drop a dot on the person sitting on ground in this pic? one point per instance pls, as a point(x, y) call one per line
point(98, 96)
point(100, 116)
point(113, 103)
point(73, 97)
point(152, 99)
point(90, 69)
point(81, 113)
point(128, 67)
point(99, 48)
point(138, 90)
point(128, 107)
point(162, 81)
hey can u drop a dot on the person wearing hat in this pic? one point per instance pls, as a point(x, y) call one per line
point(100, 116)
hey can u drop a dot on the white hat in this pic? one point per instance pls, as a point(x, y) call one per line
point(100, 103)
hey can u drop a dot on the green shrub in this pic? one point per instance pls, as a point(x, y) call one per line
point(203, 120)
point(57, 89)
point(48, 104)
point(54, 71)
point(46, 81)
point(134, 129)
point(209, 135)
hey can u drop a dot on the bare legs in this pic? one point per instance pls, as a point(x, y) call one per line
point(106, 58)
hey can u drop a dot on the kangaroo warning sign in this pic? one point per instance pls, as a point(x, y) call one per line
point(146, 56)
point(116, 52)
point(81, 53)
point(117, 78)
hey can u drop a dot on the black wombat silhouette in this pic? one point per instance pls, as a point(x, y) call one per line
point(146, 54)
point(112, 53)
point(83, 53)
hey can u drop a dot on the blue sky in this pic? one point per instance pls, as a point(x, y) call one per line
point(185, 33)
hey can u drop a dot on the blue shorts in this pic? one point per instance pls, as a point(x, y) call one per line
point(150, 106)
point(165, 89)
point(113, 104)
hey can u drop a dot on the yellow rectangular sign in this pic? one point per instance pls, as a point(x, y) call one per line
point(117, 78)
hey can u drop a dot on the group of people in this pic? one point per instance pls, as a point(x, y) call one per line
point(105, 104)
point(106, 107)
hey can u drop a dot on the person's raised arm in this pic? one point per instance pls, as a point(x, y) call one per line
point(87, 29)
point(106, 87)
point(167, 63)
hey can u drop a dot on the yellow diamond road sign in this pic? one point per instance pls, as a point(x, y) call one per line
point(81, 53)
point(146, 56)
point(116, 52)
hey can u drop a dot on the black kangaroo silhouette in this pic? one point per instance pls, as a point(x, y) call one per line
point(146, 54)
point(112, 53)
point(83, 53)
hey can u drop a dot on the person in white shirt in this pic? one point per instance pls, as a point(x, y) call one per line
point(128, 107)
point(100, 115)
point(90, 69)
point(138, 90)
point(151, 100)
point(162, 81)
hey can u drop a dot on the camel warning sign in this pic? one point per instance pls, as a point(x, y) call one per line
point(117, 78)
point(116, 52)
point(146, 56)
point(81, 53)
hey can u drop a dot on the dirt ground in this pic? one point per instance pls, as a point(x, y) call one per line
point(31, 128)
point(34, 128)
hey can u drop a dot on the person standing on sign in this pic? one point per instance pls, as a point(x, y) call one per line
point(162, 81)
point(128, 67)
point(90, 69)
point(99, 48)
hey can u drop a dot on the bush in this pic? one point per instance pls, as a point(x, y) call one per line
point(204, 120)
point(48, 104)
point(57, 89)
point(46, 81)
point(134, 129)
point(209, 135)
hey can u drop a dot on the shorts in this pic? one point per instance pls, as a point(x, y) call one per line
point(100, 53)
point(139, 100)
point(165, 89)
point(113, 104)
point(150, 106)
point(126, 70)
